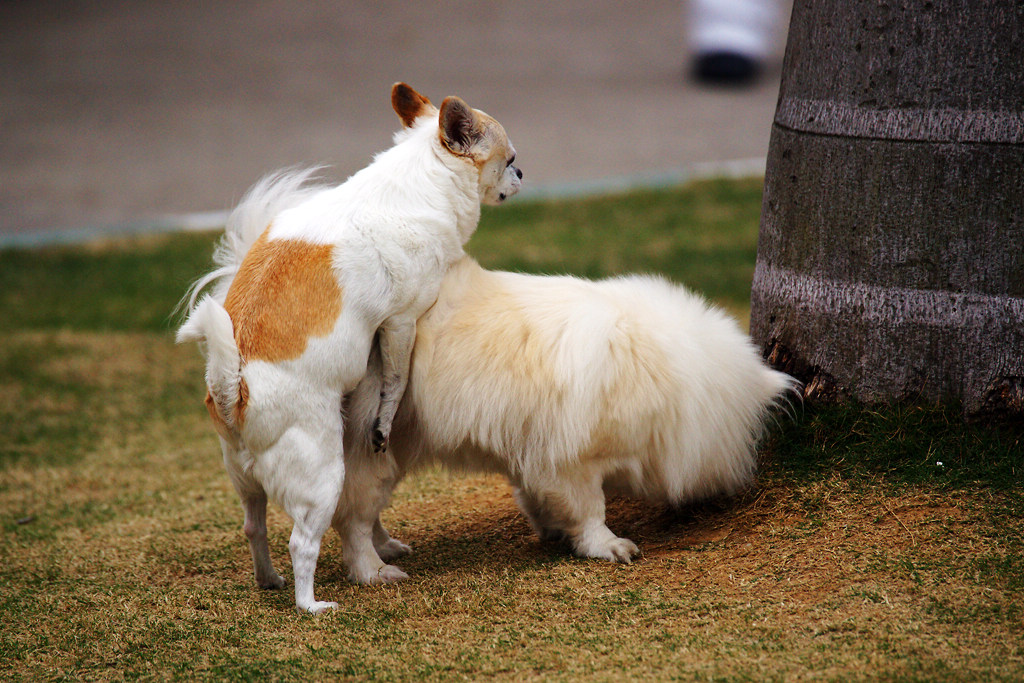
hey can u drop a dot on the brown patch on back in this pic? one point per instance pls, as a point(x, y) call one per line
point(284, 293)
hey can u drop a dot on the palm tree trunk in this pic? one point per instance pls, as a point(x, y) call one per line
point(890, 261)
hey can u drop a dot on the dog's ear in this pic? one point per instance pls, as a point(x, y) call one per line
point(408, 104)
point(459, 126)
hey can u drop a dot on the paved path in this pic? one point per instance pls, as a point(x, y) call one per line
point(124, 111)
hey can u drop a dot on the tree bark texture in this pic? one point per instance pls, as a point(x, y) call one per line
point(890, 260)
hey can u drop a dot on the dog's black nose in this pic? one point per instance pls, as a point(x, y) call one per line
point(519, 173)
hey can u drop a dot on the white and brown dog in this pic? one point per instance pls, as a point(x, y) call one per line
point(298, 305)
point(570, 388)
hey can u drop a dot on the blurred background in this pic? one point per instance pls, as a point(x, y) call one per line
point(122, 113)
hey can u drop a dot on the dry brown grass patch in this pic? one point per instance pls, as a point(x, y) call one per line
point(133, 564)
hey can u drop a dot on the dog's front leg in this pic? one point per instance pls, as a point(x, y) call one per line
point(396, 340)
point(573, 501)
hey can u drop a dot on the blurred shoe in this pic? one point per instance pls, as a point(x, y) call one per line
point(725, 68)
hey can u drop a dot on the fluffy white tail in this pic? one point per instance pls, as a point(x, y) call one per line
point(260, 205)
point(209, 322)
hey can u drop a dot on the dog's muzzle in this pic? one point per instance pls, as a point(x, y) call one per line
point(519, 174)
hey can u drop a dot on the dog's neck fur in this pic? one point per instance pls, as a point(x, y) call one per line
point(418, 161)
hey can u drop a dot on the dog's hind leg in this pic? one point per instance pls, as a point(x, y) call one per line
point(574, 502)
point(256, 531)
point(367, 546)
point(254, 503)
point(305, 471)
point(538, 517)
point(364, 564)
point(310, 524)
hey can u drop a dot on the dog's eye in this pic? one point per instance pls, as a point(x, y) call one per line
point(509, 162)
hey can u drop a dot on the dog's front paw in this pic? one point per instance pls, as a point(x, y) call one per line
point(272, 582)
point(386, 573)
point(611, 548)
point(622, 550)
point(392, 550)
point(316, 607)
point(389, 573)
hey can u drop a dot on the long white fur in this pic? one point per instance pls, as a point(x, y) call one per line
point(394, 228)
point(271, 195)
point(570, 388)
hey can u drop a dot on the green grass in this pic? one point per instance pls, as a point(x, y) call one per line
point(132, 284)
point(703, 234)
point(855, 557)
point(902, 445)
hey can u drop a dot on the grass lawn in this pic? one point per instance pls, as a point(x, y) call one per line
point(877, 544)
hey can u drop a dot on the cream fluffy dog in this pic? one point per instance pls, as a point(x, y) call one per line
point(570, 388)
point(309, 277)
